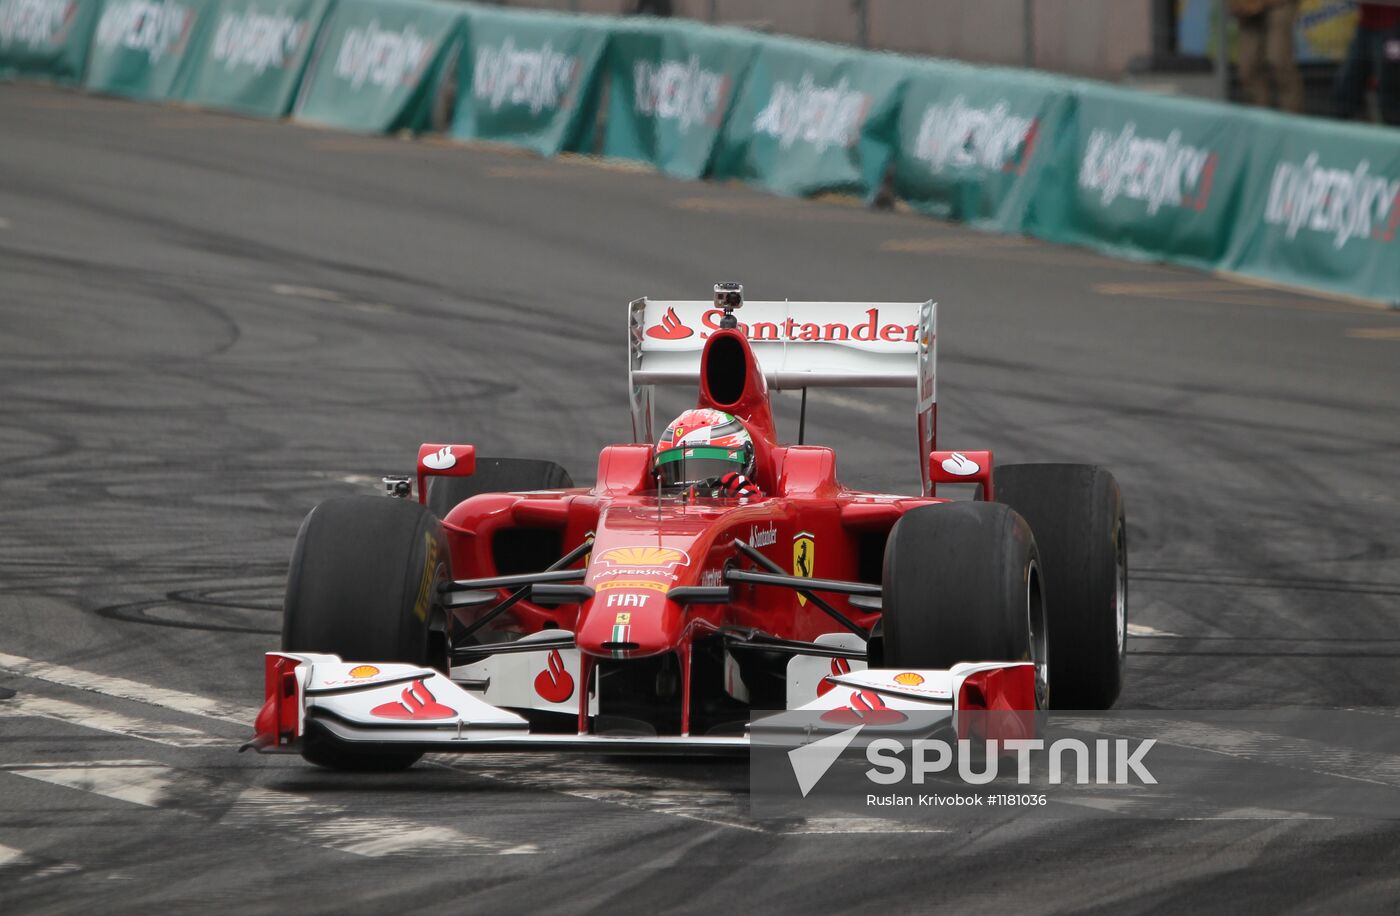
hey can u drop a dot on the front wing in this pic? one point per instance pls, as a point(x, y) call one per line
point(400, 705)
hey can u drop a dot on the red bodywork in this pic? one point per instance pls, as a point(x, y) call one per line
point(807, 523)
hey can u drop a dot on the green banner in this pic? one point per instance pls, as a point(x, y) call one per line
point(1132, 174)
point(530, 79)
point(140, 47)
point(252, 56)
point(377, 64)
point(672, 87)
point(973, 142)
point(813, 118)
point(1323, 207)
point(46, 39)
point(1143, 176)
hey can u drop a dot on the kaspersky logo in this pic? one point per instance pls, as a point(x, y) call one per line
point(821, 116)
point(36, 23)
point(663, 557)
point(155, 29)
point(247, 38)
point(681, 92)
point(1340, 203)
point(956, 136)
point(381, 57)
point(540, 79)
point(1159, 173)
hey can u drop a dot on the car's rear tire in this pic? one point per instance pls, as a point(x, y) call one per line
point(1076, 512)
point(363, 584)
point(962, 584)
point(495, 475)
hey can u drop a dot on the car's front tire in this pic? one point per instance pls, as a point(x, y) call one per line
point(962, 584)
point(363, 584)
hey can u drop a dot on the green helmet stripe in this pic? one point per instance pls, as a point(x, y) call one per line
point(698, 451)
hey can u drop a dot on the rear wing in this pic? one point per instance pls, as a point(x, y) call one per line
point(799, 345)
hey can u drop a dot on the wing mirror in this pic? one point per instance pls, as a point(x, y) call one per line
point(439, 460)
point(961, 467)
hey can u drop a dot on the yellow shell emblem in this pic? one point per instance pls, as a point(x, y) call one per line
point(644, 556)
point(361, 671)
point(909, 679)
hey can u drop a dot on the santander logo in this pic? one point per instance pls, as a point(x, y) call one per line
point(961, 465)
point(870, 330)
point(866, 708)
point(440, 460)
point(838, 666)
point(554, 683)
point(670, 328)
point(417, 702)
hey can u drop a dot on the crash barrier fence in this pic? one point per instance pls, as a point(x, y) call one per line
point(1283, 198)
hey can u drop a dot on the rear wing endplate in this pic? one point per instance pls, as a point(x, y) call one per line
point(798, 344)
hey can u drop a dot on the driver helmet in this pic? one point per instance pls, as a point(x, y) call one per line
point(700, 447)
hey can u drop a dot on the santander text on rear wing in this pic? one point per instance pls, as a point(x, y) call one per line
point(798, 344)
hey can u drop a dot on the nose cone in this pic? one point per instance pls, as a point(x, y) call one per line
point(629, 623)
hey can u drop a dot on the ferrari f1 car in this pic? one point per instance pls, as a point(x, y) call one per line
point(505, 608)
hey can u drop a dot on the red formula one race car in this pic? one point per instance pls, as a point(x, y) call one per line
point(710, 572)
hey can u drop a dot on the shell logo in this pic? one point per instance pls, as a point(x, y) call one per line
point(363, 671)
point(909, 679)
point(644, 556)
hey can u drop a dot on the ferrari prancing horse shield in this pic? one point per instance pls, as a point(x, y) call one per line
point(804, 554)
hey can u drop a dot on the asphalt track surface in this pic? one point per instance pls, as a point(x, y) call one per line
point(210, 323)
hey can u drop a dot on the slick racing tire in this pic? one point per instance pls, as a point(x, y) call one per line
point(962, 584)
point(363, 584)
point(1076, 512)
point(495, 475)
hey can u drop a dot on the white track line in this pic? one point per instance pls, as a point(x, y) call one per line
point(642, 793)
point(1139, 629)
point(1303, 754)
point(847, 825)
point(269, 812)
point(14, 859)
point(684, 800)
point(130, 690)
point(624, 786)
point(596, 780)
point(103, 720)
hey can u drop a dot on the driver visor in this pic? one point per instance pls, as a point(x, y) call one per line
point(686, 465)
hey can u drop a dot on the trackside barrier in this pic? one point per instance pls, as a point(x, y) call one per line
point(1287, 199)
point(671, 89)
point(252, 56)
point(1323, 208)
point(1138, 175)
point(377, 64)
point(141, 47)
point(46, 39)
point(530, 80)
point(813, 118)
point(975, 142)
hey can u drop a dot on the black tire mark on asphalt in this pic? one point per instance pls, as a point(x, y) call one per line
point(138, 611)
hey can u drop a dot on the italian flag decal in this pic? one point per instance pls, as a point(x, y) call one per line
point(621, 632)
